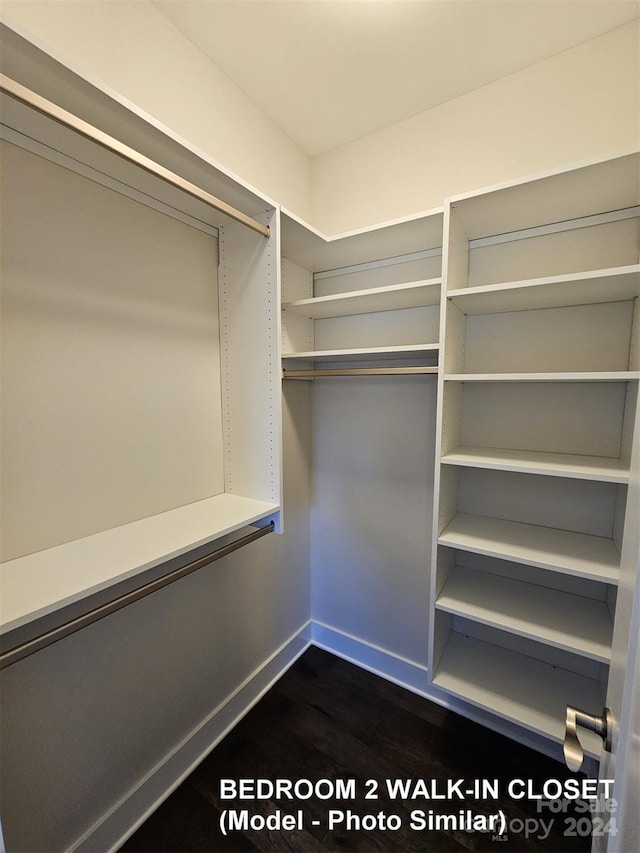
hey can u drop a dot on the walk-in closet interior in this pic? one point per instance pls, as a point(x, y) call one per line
point(226, 435)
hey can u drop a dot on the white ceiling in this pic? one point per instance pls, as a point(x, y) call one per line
point(330, 71)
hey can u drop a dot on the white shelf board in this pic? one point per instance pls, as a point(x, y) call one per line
point(308, 248)
point(413, 294)
point(364, 353)
point(41, 583)
point(575, 376)
point(607, 285)
point(601, 468)
point(570, 622)
point(521, 689)
point(564, 551)
point(557, 196)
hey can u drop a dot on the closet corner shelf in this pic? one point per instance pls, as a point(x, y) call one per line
point(366, 353)
point(523, 690)
point(607, 285)
point(413, 294)
point(564, 551)
point(41, 583)
point(573, 623)
point(599, 468)
point(574, 376)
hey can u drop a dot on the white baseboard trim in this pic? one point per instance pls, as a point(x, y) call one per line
point(415, 677)
point(399, 670)
point(112, 830)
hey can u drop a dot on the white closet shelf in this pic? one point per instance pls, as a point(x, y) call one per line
point(413, 294)
point(39, 584)
point(563, 551)
point(365, 353)
point(306, 247)
point(570, 622)
point(606, 185)
point(600, 468)
point(607, 285)
point(574, 376)
point(518, 688)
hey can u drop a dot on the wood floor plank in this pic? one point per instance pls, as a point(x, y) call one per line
point(353, 709)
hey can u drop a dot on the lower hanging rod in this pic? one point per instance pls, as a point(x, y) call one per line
point(357, 371)
point(42, 105)
point(13, 655)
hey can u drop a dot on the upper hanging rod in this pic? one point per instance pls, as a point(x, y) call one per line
point(42, 105)
point(357, 371)
point(23, 650)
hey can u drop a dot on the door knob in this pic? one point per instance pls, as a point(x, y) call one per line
point(573, 753)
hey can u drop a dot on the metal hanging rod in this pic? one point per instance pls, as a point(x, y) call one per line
point(62, 116)
point(13, 655)
point(357, 371)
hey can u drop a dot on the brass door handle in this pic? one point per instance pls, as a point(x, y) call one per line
point(572, 748)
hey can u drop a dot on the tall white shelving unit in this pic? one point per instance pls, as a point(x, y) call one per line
point(538, 397)
point(360, 320)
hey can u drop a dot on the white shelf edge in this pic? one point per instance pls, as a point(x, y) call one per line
point(563, 551)
point(318, 252)
point(38, 584)
point(335, 238)
point(359, 301)
point(523, 690)
point(364, 353)
point(602, 469)
point(536, 177)
point(549, 197)
point(604, 285)
point(573, 623)
point(579, 376)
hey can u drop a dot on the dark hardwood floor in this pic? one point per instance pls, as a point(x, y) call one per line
point(329, 720)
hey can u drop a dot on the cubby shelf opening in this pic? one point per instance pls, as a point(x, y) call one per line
point(519, 688)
